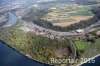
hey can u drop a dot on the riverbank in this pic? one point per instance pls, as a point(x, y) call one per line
point(19, 53)
point(4, 20)
point(12, 20)
point(88, 60)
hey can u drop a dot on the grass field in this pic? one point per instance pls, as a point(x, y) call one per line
point(81, 45)
point(93, 50)
point(65, 13)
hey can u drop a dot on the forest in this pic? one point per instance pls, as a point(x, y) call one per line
point(37, 47)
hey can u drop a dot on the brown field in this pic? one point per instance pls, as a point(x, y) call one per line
point(77, 19)
point(68, 14)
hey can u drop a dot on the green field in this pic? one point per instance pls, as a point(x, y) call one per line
point(81, 13)
point(67, 12)
point(93, 50)
point(81, 45)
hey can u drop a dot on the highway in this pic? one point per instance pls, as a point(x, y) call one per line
point(30, 26)
point(34, 27)
point(92, 27)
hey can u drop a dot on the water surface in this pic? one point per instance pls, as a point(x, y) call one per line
point(97, 62)
point(10, 57)
point(12, 19)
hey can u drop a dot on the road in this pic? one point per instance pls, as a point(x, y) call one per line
point(92, 27)
point(44, 31)
point(38, 29)
point(29, 26)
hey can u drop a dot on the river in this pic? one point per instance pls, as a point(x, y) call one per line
point(9, 56)
point(96, 63)
point(12, 20)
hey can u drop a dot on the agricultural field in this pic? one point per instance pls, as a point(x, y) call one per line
point(67, 14)
point(92, 50)
point(81, 45)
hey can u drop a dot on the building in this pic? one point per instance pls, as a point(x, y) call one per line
point(80, 30)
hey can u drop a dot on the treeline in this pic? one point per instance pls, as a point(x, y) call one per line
point(36, 14)
point(86, 2)
point(83, 2)
point(79, 25)
point(86, 23)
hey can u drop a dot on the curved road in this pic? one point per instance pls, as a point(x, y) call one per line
point(29, 26)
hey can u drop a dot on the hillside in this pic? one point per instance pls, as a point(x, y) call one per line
point(37, 36)
point(37, 47)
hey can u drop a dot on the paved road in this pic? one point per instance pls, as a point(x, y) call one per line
point(36, 28)
point(92, 27)
point(33, 27)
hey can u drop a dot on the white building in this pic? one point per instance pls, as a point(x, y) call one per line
point(80, 30)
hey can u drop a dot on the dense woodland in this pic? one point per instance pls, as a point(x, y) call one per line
point(38, 47)
point(84, 2)
point(41, 48)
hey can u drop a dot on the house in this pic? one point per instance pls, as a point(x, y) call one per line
point(80, 30)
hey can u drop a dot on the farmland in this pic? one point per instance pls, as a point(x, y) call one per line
point(65, 14)
point(81, 45)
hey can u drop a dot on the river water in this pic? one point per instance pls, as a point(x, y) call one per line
point(12, 19)
point(96, 63)
point(9, 56)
